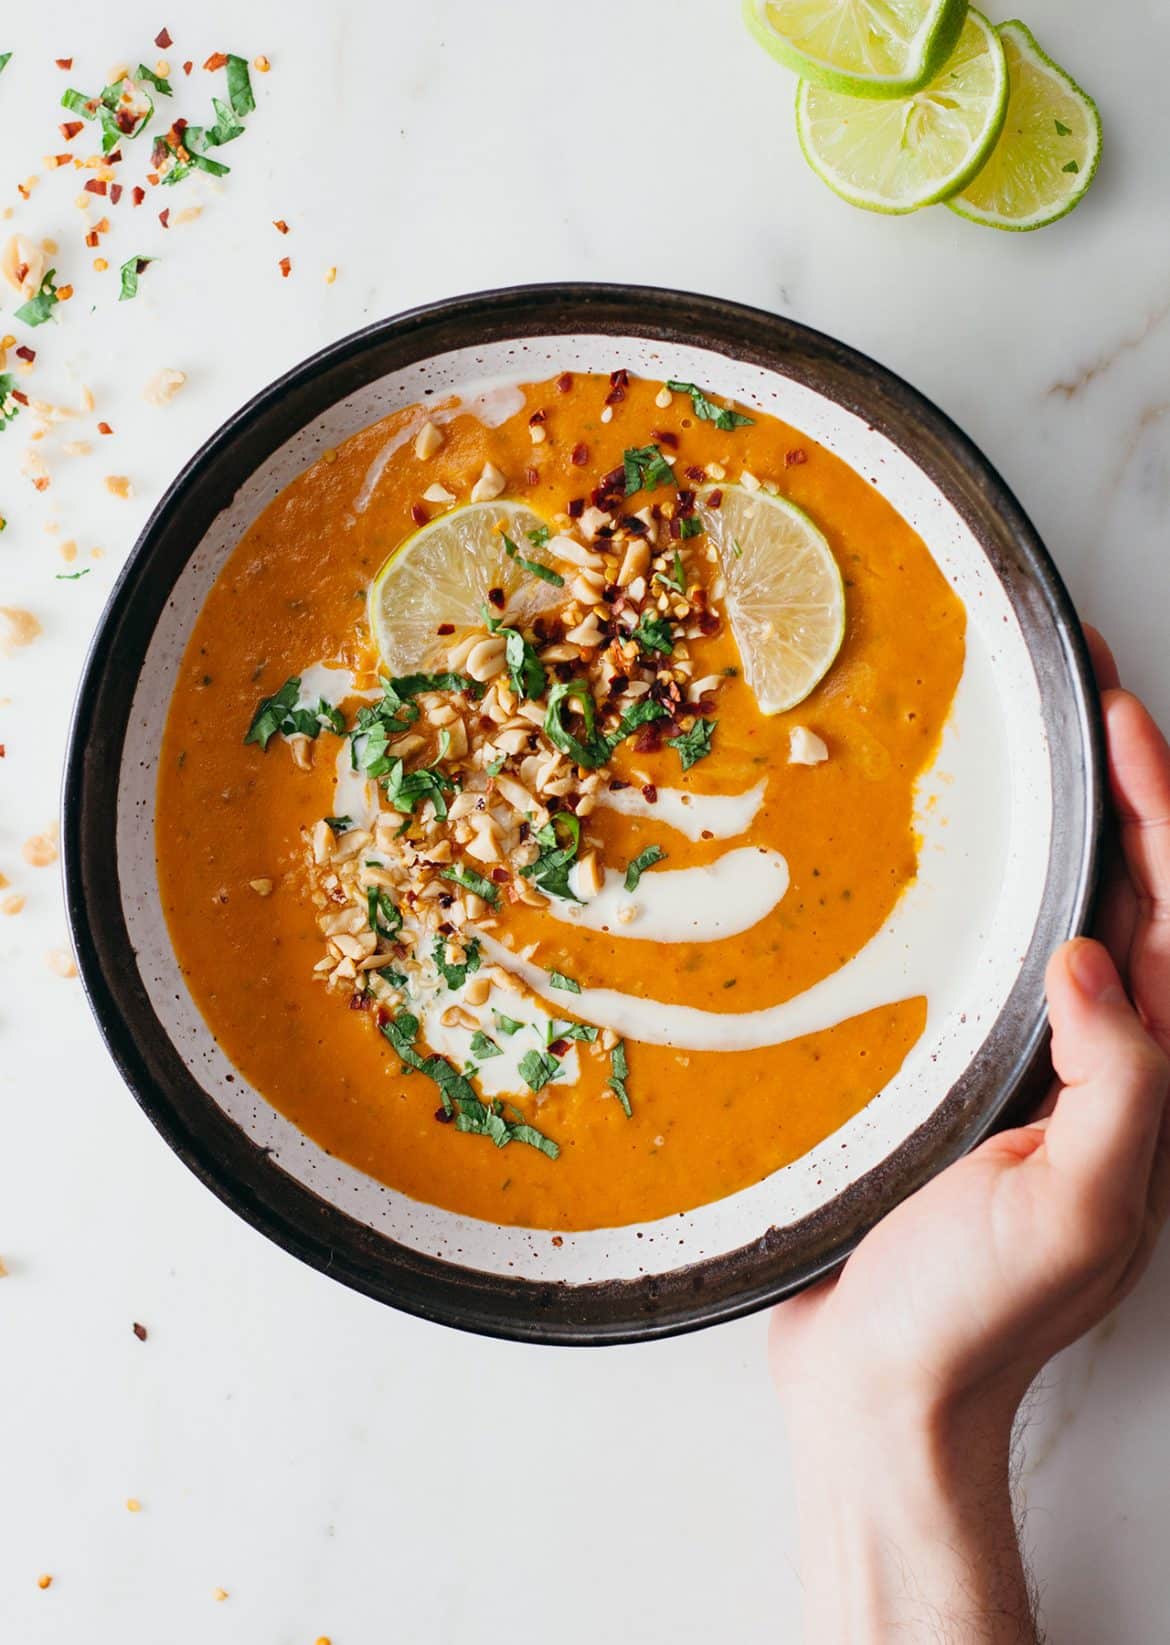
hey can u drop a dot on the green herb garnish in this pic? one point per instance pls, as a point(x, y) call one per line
point(689, 525)
point(163, 87)
point(619, 1073)
point(544, 572)
point(644, 860)
point(226, 128)
point(482, 1047)
point(539, 537)
point(571, 1031)
point(460, 874)
point(455, 975)
point(654, 633)
point(589, 751)
point(9, 408)
point(339, 825)
point(537, 1068)
point(646, 469)
point(130, 270)
point(506, 1025)
point(382, 916)
point(39, 308)
point(558, 841)
point(558, 979)
point(239, 85)
point(72, 576)
point(1062, 130)
point(707, 411)
point(677, 579)
point(5, 59)
point(695, 744)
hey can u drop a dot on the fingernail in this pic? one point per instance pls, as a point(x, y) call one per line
point(1094, 972)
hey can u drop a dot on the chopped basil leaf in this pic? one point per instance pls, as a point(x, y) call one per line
point(5, 59)
point(506, 1025)
point(226, 128)
point(537, 1068)
point(558, 841)
point(271, 712)
point(382, 917)
point(641, 713)
point(646, 469)
point(78, 103)
point(162, 86)
point(544, 572)
point(471, 881)
point(619, 1074)
point(695, 744)
point(690, 525)
point(482, 1047)
point(677, 578)
point(72, 576)
point(592, 750)
point(539, 537)
point(38, 309)
point(339, 825)
point(130, 270)
point(406, 789)
point(239, 85)
point(654, 633)
point(526, 673)
point(458, 1095)
point(396, 979)
point(494, 767)
point(558, 979)
point(572, 1031)
point(455, 975)
point(644, 860)
point(412, 685)
point(707, 411)
point(9, 408)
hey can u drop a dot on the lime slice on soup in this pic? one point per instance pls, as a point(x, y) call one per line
point(785, 596)
point(443, 574)
point(863, 50)
point(898, 155)
point(1048, 150)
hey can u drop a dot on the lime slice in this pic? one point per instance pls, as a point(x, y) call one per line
point(442, 575)
point(897, 156)
point(785, 597)
point(864, 48)
point(1048, 150)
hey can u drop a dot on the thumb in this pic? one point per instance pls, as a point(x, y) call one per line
point(1105, 1126)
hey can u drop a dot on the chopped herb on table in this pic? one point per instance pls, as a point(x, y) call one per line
point(130, 270)
point(707, 411)
point(9, 408)
point(39, 308)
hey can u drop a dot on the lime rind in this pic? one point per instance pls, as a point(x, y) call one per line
point(1072, 101)
point(835, 131)
point(926, 49)
point(785, 593)
point(442, 575)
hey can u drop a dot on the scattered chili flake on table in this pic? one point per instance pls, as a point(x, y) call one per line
point(280, 225)
point(285, 267)
point(45, 1581)
point(139, 1331)
point(162, 39)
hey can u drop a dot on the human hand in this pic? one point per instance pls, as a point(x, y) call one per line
point(975, 1281)
point(901, 1374)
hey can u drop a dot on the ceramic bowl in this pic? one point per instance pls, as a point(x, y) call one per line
point(1007, 866)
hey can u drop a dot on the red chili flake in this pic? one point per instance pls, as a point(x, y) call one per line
point(564, 382)
point(618, 684)
point(359, 1002)
point(444, 1116)
point(114, 157)
point(531, 476)
point(188, 66)
point(162, 39)
point(285, 266)
point(500, 876)
point(611, 489)
point(648, 740)
point(559, 1047)
point(794, 458)
point(96, 185)
point(23, 192)
point(686, 502)
point(115, 193)
point(137, 195)
point(614, 396)
point(280, 225)
point(714, 498)
point(164, 217)
point(497, 598)
point(70, 128)
point(104, 428)
point(557, 1241)
point(26, 353)
point(216, 60)
point(3, 751)
point(125, 121)
point(537, 417)
point(709, 622)
point(180, 127)
point(63, 62)
point(93, 238)
point(579, 455)
point(665, 438)
point(139, 1331)
point(620, 379)
point(20, 396)
point(445, 628)
point(576, 508)
point(695, 473)
point(650, 793)
point(382, 1016)
point(419, 514)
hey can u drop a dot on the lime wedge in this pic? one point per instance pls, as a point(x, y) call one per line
point(864, 48)
point(785, 597)
point(1048, 149)
point(896, 156)
point(442, 574)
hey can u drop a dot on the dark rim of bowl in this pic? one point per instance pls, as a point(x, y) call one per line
point(1002, 1074)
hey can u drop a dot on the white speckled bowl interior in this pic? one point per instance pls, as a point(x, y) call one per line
point(961, 934)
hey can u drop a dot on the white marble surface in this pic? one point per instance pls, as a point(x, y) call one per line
point(338, 1469)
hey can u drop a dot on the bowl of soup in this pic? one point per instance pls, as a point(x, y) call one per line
point(569, 805)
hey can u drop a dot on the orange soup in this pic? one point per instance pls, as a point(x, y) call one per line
point(523, 774)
